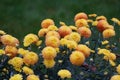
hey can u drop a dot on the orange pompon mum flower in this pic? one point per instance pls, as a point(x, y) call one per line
point(108, 33)
point(49, 53)
point(63, 73)
point(9, 40)
point(11, 51)
point(81, 22)
point(84, 49)
point(33, 77)
point(77, 58)
point(16, 77)
point(42, 32)
point(53, 33)
point(49, 63)
point(30, 58)
point(52, 41)
point(85, 32)
point(46, 23)
point(29, 39)
point(64, 30)
point(80, 15)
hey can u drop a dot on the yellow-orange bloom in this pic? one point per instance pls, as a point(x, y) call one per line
point(80, 15)
point(84, 49)
point(75, 36)
point(116, 20)
point(49, 63)
point(2, 51)
point(52, 41)
point(53, 33)
point(42, 32)
point(27, 70)
point(118, 69)
point(74, 28)
point(92, 15)
point(11, 51)
point(81, 22)
point(2, 32)
point(52, 28)
point(30, 58)
point(29, 39)
point(16, 62)
point(108, 33)
point(64, 30)
point(22, 51)
point(71, 44)
point(9, 40)
point(105, 42)
point(101, 18)
point(115, 77)
point(63, 41)
point(32, 77)
point(77, 58)
point(16, 77)
point(63, 73)
point(49, 53)
point(46, 23)
point(85, 32)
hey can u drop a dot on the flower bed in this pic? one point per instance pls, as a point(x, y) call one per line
point(84, 51)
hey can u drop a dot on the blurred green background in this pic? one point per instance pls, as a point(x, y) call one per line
point(20, 17)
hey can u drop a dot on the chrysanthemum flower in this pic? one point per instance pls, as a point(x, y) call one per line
point(46, 23)
point(32, 77)
point(118, 69)
point(81, 22)
point(2, 51)
point(42, 32)
point(108, 33)
point(11, 51)
point(84, 49)
point(49, 63)
point(64, 30)
point(115, 77)
point(71, 44)
point(74, 28)
point(30, 58)
point(101, 18)
point(29, 39)
point(52, 28)
point(80, 15)
point(9, 40)
point(16, 77)
point(63, 73)
point(22, 51)
point(53, 33)
point(49, 53)
point(85, 32)
point(77, 58)
point(52, 41)
point(2, 32)
point(27, 70)
point(16, 62)
point(92, 15)
point(63, 41)
point(75, 36)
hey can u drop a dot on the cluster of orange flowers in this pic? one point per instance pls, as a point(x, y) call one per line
point(54, 37)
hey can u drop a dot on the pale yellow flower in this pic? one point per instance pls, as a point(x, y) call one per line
point(105, 42)
point(29, 39)
point(71, 44)
point(2, 32)
point(22, 51)
point(116, 20)
point(49, 63)
point(27, 70)
point(2, 51)
point(16, 77)
point(52, 28)
point(115, 77)
point(75, 36)
point(92, 15)
point(118, 69)
point(94, 23)
point(63, 73)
